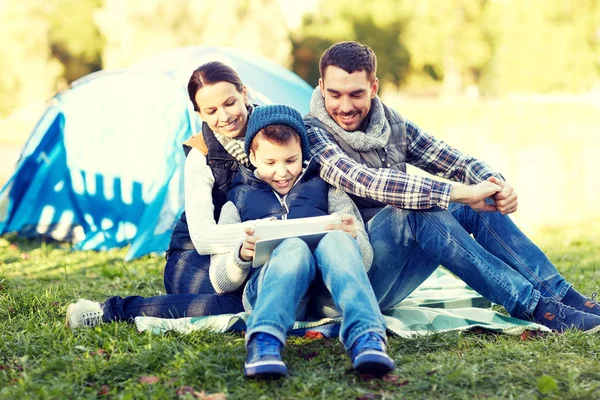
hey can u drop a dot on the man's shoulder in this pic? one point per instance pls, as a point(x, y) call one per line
point(311, 121)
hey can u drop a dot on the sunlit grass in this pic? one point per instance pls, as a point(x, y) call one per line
point(40, 358)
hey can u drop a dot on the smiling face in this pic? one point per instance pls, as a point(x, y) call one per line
point(277, 164)
point(347, 96)
point(223, 108)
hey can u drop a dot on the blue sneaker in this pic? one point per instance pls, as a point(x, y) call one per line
point(369, 357)
point(264, 357)
point(560, 317)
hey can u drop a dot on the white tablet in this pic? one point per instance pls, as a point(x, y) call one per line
point(271, 233)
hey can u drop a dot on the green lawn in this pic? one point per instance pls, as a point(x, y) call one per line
point(40, 358)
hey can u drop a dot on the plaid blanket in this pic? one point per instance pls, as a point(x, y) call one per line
point(442, 303)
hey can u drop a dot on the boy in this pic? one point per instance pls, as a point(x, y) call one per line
point(277, 146)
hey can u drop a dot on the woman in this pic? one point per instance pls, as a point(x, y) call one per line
point(212, 159)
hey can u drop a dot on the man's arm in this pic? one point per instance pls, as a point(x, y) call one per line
point(438, 158)
point(388, 186)
point(403, 190)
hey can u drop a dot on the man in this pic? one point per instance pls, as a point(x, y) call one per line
point(416, 223)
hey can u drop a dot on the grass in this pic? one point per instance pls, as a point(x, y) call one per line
point(40, 358)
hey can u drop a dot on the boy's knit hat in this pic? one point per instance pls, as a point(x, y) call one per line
point(264, 116)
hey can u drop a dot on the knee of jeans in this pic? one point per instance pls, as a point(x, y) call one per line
point(336, 236)
point(293, 245)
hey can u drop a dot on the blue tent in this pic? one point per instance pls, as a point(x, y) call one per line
point(104, 165)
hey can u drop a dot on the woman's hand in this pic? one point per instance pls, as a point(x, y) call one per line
point(347, 225)
point(247, 249)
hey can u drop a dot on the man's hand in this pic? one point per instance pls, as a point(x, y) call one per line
point(247, 249)
point(348, 225)
point(505, 200)
point(474, 196)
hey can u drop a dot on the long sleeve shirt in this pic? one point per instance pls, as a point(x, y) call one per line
point(397, 188)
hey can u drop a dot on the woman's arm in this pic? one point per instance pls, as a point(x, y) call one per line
point(227, 271)
point(206, 235)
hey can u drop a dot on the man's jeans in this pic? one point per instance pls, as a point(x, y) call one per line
point(502, 264)
point(190, 293)
point(274, 291)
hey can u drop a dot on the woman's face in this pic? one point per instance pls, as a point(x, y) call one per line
point(223, 108)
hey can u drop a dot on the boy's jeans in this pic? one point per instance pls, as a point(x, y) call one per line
point(275, 290)
point(502, 264)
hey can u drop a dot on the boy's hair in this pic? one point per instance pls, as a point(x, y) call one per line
point(279, 134)
point(276, 114)
point(209, 74)
point(351, 57)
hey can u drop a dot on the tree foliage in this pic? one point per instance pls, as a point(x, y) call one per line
point(29, 73)
point(135, 29)
point(377, 24)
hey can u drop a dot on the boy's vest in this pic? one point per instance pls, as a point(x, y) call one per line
point(223, 166)
point(255, 199)
point(392, 156)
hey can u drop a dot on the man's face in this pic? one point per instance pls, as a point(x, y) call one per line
point(347, 96)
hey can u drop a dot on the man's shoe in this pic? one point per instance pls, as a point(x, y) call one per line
point(560, 317)
point(368, 355)
point(84, 314)
point(590, 305)
point(264, 357)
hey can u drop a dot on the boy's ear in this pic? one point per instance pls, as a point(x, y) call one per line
point(252, 158)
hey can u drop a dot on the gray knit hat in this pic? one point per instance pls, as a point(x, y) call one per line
point(264, 116)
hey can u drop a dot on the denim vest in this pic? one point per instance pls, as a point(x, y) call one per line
point(223, 166)
point(392, 156)
point(256, 199)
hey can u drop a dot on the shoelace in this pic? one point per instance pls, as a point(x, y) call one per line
point(268, 346)
point(92, 318)
point(369, 341)
point(561, 313)
point(593, 298)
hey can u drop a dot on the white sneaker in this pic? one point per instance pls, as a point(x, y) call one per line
point(84, 314)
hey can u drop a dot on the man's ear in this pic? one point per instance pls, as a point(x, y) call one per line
point(322, 87)
point(374, 87)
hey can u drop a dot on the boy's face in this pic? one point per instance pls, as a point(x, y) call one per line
point(347, 96)
point(279, 165)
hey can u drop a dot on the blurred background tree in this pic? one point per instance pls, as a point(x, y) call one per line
point(378, 23)
point(494, 47)
point(135, 29)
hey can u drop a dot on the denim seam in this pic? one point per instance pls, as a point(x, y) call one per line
point(519, 260)
point(457, 244)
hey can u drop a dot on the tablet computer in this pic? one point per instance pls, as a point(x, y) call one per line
point(271, 233)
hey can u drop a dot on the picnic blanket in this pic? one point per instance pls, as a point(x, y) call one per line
point(442, 303)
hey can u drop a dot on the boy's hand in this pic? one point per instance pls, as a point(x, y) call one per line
point(347, 225)
point(247, 249)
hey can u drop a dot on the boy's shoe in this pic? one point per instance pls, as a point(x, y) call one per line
point(369, 357)
point(84, 314)
point(264, 357)
point(560, 317)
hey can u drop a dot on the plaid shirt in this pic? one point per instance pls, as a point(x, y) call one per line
point(397, 188)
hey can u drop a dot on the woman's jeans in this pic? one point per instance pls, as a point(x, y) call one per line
point(189, 293)
point(274, 291)
point(502, 264)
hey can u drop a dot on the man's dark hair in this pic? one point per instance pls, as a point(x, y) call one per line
point(351, 57)
point(209, 74)
point(280, 134)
